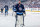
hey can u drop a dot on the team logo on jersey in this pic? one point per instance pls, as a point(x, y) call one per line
point(20, 9)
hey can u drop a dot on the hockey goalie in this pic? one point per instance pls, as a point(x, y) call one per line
point(20, 13)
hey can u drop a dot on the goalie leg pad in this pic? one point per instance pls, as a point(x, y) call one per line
point(20, 21)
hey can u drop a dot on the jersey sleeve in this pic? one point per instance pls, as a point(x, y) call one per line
point(14, 8)
point(23, 9)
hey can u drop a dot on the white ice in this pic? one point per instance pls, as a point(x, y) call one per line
point(32, 19)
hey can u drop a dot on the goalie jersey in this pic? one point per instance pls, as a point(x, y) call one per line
point(19, 9)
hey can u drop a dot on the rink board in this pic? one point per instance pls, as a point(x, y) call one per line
point(32, 9)
point(29, 9)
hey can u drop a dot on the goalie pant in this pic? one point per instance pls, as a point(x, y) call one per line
point(19, 21)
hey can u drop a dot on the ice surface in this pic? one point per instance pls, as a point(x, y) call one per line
point(32, 19)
